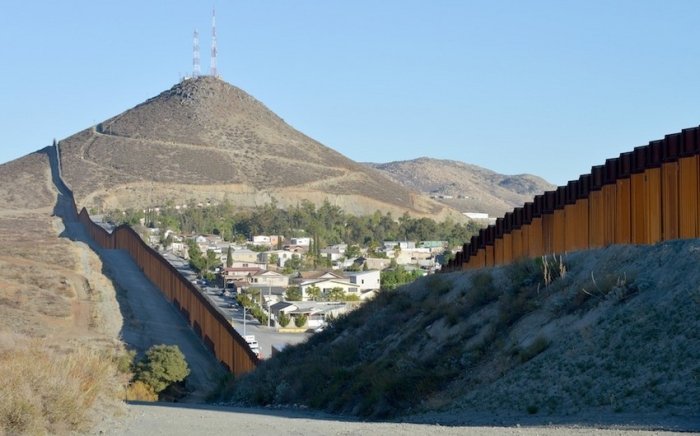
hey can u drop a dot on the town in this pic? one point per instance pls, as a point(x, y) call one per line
point(277, 290)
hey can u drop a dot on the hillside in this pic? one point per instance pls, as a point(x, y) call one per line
point(205, 139)
point(608, 336)
point(473, 188)
point(59, 317)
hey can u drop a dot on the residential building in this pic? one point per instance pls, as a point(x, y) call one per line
point(268, 278)
point(302, 242)
point(316, 312)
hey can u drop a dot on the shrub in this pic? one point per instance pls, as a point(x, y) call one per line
point(283, 320)
point(161, 366)
point(300, 321)
point(140, 391)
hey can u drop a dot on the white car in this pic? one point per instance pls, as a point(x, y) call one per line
point(252, 343)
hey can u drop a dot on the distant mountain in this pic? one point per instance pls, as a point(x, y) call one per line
point(472, 188)
point(205, 139)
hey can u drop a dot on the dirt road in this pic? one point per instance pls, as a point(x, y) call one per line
point(159, 418)
point(148, 318)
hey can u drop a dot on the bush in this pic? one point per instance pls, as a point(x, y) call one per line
point(300, 321)
point(125, 361)
point(162, 366)
point(284, 320)
point(140, 391)
point(293, 294)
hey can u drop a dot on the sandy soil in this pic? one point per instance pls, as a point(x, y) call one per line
point(173, 419)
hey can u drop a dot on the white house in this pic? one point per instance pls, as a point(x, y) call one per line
point(268, 278)
point(365, 280)
point(327, 284)
point(302, 242)
point(404, 245)
point(316, 312)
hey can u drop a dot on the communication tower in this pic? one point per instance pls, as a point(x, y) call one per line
point(196, 70)
point(213, 71)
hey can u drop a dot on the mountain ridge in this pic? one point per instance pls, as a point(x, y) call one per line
point(473, 188)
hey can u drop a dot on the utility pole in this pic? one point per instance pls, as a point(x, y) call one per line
point(269, 309)
point(244, 321)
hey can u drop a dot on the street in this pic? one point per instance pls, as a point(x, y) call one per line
point(266, 336)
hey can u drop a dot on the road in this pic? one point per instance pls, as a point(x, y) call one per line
point(266, 336)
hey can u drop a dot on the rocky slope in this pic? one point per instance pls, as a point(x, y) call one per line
point(608, 333)
point(473, 188)
point(205, 139)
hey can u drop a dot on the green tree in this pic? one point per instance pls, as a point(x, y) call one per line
point(283, 319)
point(300, 321)
point(314, 293)
point(162, 366)
point(293, 293)
point(197, 261)
point(336, 294)
point(273, 259)
point(352, 251)
point(229, 257)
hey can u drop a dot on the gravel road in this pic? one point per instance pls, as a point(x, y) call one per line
point(173, 419)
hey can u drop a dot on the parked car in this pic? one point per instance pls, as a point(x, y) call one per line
point(253, 344)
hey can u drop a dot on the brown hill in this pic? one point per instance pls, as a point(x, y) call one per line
point(206, 139)
point(473, 188)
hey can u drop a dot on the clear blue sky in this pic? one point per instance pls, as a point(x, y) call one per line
point(544, 87)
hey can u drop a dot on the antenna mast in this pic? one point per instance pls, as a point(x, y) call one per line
point(196, 70)
point(214, 73)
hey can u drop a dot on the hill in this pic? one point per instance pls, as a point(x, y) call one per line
point(607, 335)
point(205, 139)
point(473, 188)
point(59, 317)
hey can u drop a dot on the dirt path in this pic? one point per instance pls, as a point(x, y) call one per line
point(148, 318)
point(155, 419)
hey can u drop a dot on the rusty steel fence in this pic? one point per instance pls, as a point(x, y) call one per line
point(203, 317)
point(644, 196)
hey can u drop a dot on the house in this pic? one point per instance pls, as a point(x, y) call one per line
point(246, 264)
point(244, 255)
point(236, 277)
point(282, 257)
point(270, 241)
point(317, 313)
point(413, 256)
point(403, 245)
point(327, 284)
point(334, 252)
point(377, 263)
point(270, 294)
point(302, 242)
point(365, 280)
point(268, 278)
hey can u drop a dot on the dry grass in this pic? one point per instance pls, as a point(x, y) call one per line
point(45, 390)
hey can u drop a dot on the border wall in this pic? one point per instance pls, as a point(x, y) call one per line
point(644, 196)
point(204, 318)
point(206, 321)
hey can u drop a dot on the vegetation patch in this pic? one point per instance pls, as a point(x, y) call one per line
point(45, 390)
